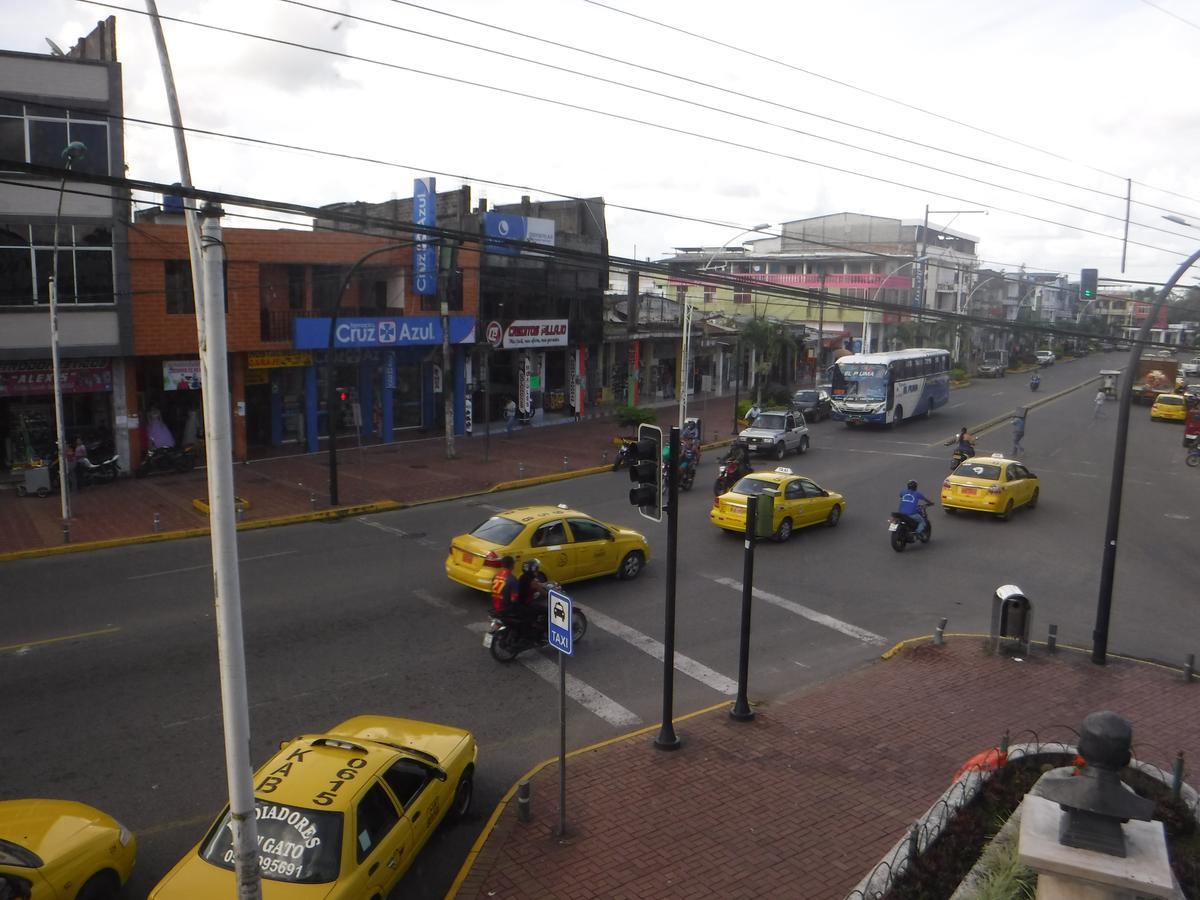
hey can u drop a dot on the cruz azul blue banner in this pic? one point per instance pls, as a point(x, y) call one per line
point(403, 331)
point(425, 251)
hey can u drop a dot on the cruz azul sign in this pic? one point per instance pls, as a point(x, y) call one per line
point(536, 333)
point(403, 331)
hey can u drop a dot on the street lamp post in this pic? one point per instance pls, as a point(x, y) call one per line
point(962, 310)
point(1116, 486)
point(72, 152)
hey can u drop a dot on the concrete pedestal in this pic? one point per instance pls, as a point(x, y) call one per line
point(1068, 873)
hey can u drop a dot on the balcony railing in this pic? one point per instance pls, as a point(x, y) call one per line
point(845, 280)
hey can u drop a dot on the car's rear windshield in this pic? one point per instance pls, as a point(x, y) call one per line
point(769, 421)
point(805, 396)
point(294, 844)
point(1171, 401)
point(752, 487)
point(498, 530)
point(978, 470)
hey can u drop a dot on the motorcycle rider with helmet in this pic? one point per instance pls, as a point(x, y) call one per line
point(912, 504)
point(1035, 381)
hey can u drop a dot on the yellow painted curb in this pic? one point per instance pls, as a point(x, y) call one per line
point(339, 512)
point(201, 506)
point(546, 479)
point(473, 853)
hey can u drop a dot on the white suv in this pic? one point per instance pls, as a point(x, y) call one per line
point(776, 431)
point(1045, 358)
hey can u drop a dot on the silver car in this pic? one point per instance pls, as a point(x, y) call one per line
point(777, 432)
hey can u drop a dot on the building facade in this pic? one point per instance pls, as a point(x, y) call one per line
point(49, 102)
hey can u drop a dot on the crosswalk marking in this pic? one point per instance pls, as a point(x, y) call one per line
point(859, 634)
point(581, 692)
point(438, 602)
point(649, 645)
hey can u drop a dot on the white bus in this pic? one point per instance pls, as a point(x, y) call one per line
point(885, 388)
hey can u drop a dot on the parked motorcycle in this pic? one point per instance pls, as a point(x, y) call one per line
point(902, 530)
point(729, 472)
point(88, 473)
point(510, 635)
point(166, 459)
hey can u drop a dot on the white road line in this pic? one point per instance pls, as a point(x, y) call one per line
point(859, 634)
point(491, 508)
point(998, 394)
point(422, 594)
point(957, 405)
point(207, 566)
point(889, 453)
point(650, 646)
point(582, 693)
point(398, 532)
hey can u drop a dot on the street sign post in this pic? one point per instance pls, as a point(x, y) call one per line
point(558, 623)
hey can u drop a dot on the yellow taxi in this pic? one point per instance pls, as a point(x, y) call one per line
point(1169, 406)
point(570, 546)
point(61, 850)
point(991, 484)
point(340, 815)
point(799, 502)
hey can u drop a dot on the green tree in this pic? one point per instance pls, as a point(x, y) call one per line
point(770, 341)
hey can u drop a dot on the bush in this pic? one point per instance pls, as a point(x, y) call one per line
point(742, 407)
point(958, 374)
point(778, 395)
point(635, 415)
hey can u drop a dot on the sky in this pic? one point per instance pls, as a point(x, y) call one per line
point(808, 109)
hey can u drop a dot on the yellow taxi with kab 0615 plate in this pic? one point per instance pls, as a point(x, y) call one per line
point(61, 850)
point(570, 546)
point(1169, 406)
point(992, 484)
point(799, 502)
point(341, 815)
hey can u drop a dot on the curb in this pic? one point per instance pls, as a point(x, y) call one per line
point(1033, 404)
point(465, 869)
point(339, 512)
point(899, 646)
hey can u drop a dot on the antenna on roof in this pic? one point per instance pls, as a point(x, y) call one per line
point(55, 50)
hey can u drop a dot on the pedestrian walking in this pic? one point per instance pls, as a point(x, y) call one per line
point(1098, 408)
point(1018, 432)
point(510, 416)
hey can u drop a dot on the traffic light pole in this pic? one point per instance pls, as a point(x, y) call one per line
point(741, 711)
point(667, 740)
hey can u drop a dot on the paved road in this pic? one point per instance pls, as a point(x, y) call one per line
point(356, 616)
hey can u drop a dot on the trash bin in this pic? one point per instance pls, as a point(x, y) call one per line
point(37, 481)
point(1012, 618)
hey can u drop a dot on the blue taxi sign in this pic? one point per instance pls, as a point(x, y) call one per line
point(559, 621)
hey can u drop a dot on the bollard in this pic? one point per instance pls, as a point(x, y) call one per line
point(1177, 775)
point(157, 523)
point(312, 501)
point(1052, 640)
point(1004, 743)
point(240, 511)
point(565, 462)
point(604, 457)
point(939, 633)
point(523, 801)
point(66, 532)
point(520, 470)
point(1189, 668)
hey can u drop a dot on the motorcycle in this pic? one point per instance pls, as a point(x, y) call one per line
point(959, 455)
point(509, 635)
point(902, 530)
point(623, 455)
point(1035, 383)
point(166, 459)
point(88, 473)
point(729, 472)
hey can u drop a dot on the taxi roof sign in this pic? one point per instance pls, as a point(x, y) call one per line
point(784, 470)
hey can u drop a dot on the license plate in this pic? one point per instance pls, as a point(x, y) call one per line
point(487, 641)
point(894, 526)
point(968, 490)
point(467, 556)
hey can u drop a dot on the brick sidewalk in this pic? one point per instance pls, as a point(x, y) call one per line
point(806, 799)
point(407, 472)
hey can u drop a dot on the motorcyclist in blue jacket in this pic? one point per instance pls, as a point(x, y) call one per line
point(912, 504)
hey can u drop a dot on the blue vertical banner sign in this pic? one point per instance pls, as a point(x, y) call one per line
point(425, 251)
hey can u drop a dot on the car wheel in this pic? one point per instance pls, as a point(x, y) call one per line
point(462, 796)
point(835, 516)
point(950, 510)
point(1007, 514)
point(898, 416)
point(1033, 501)
point(101, 886)
point(784, 531)
point(631, 565)
point(803, 445)
point(780, 450)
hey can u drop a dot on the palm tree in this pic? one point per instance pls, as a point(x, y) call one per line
point(770, 340)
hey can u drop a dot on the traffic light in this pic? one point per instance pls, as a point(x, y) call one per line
point(1087, 284)
point(343, 394)
point(645, 471)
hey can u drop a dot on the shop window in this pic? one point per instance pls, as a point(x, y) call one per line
point(741, 295)
point(710, 293)
point(181, 301)
point(295, 283)
point(327, 284)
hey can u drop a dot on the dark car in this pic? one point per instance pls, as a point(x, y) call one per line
point(814, 403)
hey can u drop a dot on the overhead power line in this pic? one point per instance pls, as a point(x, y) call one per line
point(846, 84)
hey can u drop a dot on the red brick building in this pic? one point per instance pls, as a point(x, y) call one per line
point(280, 287)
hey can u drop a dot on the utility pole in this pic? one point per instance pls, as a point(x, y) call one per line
point(447, 261)
point(821, 329)
point(922, 274)
point(215, 381)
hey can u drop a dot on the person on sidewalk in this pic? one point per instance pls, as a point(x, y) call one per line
point(510, 416)
point(1018, 428)
point(1098, 408)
